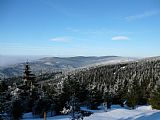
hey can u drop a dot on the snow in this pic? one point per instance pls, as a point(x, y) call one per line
point(123, 67)
point(48, 63)
point(118, 113)
point(115, 113)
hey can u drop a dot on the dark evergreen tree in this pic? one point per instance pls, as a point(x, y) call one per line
point(51, 95)
point(132, 98)
point(29, 78)
point(16, 109)
point(94, 98)
point(108, 98)
point(29, 93)
point(4, 99)
point(72, 86)
point(3, 86)
point(155, 98)
point(40, 106)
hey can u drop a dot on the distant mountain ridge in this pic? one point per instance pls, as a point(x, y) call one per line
point(54, 64)
point(7, 60)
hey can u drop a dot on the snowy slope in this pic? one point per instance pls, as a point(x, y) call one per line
point(116, 113)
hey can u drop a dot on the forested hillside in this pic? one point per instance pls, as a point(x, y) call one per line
point(134, 82)
point(50, 65)
point(131, 84)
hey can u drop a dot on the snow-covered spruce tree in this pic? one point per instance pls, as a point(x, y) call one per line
point(155, 98)
point(52, 96)
point(132, 99)
point(107, 96)
point(44, 101)
point(30, 88)
point(74, 106)
point(133, 95)
point(72, 86)
point(94, 97)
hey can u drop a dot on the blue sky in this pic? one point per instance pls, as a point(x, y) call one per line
point(80, 27)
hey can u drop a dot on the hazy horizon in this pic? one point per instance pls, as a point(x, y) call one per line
point(6, 60)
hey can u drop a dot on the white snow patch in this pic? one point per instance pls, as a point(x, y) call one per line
point(48, 63)
point(123, 67)
point(118, 113)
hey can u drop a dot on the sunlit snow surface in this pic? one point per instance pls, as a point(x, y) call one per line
point(116, 113)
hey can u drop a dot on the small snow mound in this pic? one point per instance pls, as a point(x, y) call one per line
point(144, 108)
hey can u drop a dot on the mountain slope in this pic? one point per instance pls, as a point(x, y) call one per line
point(54, 64)
point(133, 80)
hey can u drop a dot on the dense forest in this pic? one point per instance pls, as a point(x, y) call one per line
point(128, 84)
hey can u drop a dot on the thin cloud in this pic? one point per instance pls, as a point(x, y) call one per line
point(120, 38)
point(61, 39)
point(143, 15)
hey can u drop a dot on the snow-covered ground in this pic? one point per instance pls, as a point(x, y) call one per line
point(116, 113)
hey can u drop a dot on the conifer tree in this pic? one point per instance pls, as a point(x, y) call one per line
point(29, 78)
point(3, 86)
point(16, 109)
point(155, 98)
point(94, 98)
point(133, 95)
point(108, 99)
